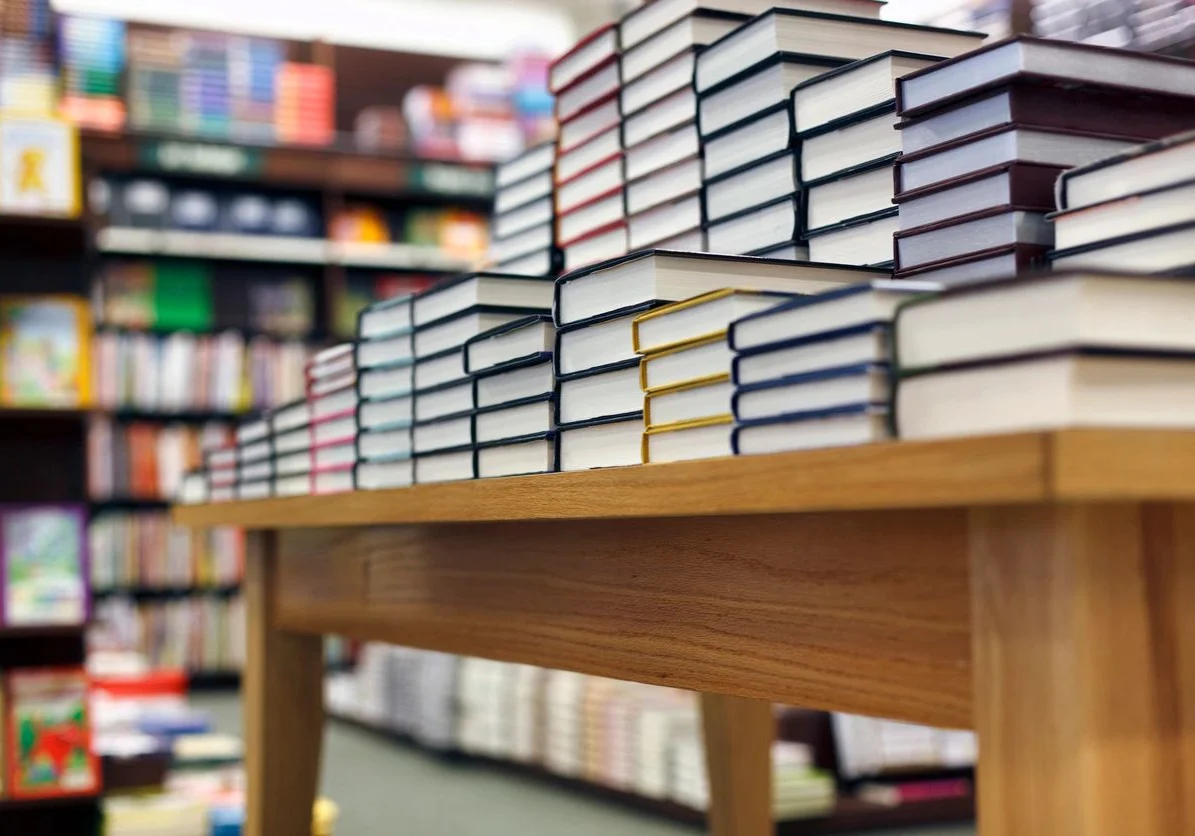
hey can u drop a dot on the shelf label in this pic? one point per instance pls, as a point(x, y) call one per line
point(200, 158)
point(452, 179)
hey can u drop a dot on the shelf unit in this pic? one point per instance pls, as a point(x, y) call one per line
point(850, 815)
point(338, 169)
point(331, 177)
point(277, 249)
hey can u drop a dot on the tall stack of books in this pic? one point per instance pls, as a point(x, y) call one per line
point(1134, 211)
point(588, 179)
point(255, 462)
point(816, 371)
point(659, 106)
point(984, 137)
point(385, 387)
point(445, 317)
point(685, 372)
point(745, 81)
point(290, 437)
point(524, 239)
point(844, 121)
point(514, 422)
point(1063, 350)
point(332, 398)
point(598, 390)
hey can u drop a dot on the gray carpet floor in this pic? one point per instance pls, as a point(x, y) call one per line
point(385, 789)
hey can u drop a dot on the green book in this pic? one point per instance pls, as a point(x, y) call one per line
point(183, 296)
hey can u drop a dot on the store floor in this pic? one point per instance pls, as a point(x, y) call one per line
point(385, 789)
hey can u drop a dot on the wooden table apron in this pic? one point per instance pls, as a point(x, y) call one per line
point(1039, 589)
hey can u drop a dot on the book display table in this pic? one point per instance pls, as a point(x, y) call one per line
point(1038, 588)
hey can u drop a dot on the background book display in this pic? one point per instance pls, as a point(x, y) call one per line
point(44, 563)
point(637, 739)
point(703, 125)
point(143, 552)
point(47, 733)
point(44, 352)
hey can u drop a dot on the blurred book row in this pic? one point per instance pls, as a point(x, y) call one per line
point(257, 90)
point(145, 551)
point(198, 633)
point(635, 738)
point(151, 203)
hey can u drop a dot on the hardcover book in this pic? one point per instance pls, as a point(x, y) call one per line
point(816, 33)
point(1061, 63)
point(43, 555)
point(1031, 105)
point(45, 351)
point(48, 732)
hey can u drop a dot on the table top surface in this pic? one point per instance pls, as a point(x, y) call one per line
point(1028, 468)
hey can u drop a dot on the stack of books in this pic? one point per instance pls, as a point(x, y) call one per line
point(1134, 211)
point(1063, 350)
point(984, 137)
point(145, 460)
point(815, 372)
point(598, 389)
point(685, 372)
point(290, 437)
point(659, 106)
point(255, 462)
point(844, 121)
point(745, 81)
point(524, 224)
point(385, 385)
point(332, 398)
point(514, 421)
point(590, 215)
point(220, 466)
point(445, 317)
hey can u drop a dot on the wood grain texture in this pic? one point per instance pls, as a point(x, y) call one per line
point(865, 612)
point(897, 475)
point(283, 703)
point(738, 761)
point(1082, 666)
point(1121, 465)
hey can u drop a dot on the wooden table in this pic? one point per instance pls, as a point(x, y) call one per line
point(1039, 588)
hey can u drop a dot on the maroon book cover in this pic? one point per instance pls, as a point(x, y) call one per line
point(1033, 103)
point(905, 159)
point(1027, 257)
point(1031, 185)
point(1070, 84)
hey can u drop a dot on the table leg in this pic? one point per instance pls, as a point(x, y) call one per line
point(738, 760)
point(283, 704)
point(1084, 669)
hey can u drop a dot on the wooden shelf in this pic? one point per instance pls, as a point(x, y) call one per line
point(12, 804)
point(1033, 467)
point(213, 680)
point(38, 632)
point(149, 593)
point(279, 249)
point(18, 413)
point(401, 176)
point(42, 646)
point(29, 236)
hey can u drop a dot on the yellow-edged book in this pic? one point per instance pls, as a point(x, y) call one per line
point(704, 400)
point(699, 318)
point(705, 439)
point(700, 361)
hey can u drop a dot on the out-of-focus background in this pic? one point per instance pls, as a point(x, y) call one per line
point(141, 143)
